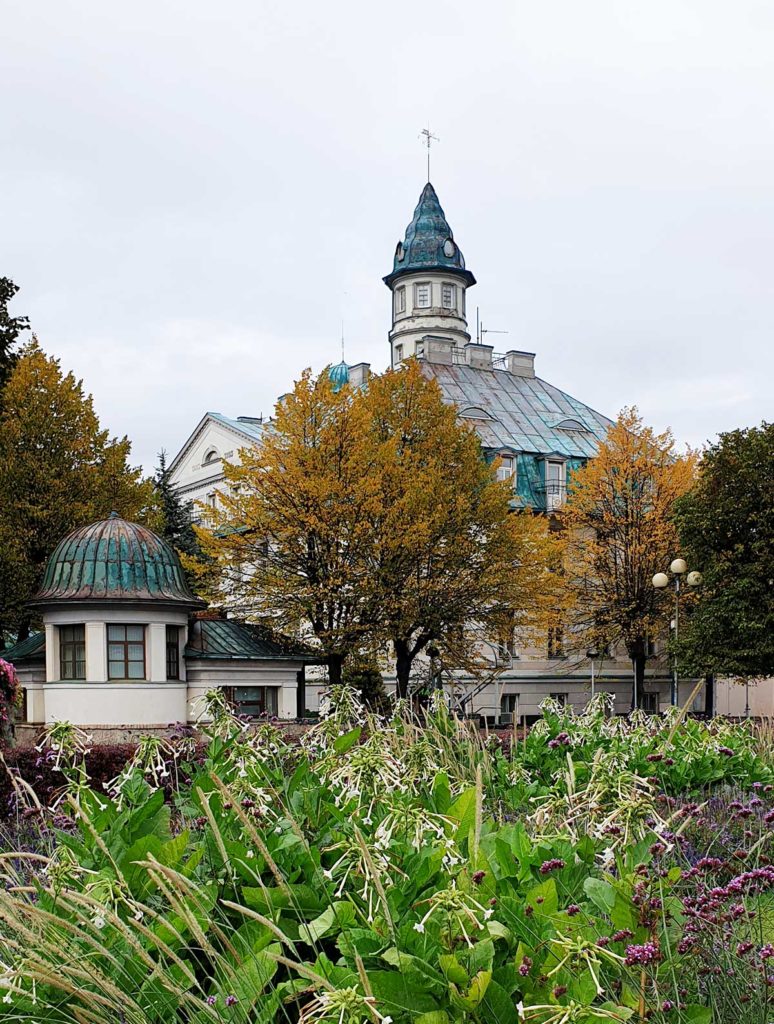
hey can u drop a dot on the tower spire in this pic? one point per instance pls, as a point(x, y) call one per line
point(427, 140)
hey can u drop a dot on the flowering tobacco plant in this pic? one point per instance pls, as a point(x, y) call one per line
point(379, 871)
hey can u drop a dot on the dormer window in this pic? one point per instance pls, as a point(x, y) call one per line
point(556, 484)
point(400, 300)
point(422, 295)
point(448, 296)
point(210, 457)
point(507, 469)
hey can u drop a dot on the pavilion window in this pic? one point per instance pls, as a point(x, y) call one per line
point(448, 296)
point(253, 701)
point(72, 652)
point(400, 300)
point(173, 652)
point(126, 652)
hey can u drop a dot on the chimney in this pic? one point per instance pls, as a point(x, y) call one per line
point(359, 374)
point(520, 364)
point(479, 356)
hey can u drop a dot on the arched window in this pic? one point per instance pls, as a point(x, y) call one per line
point(210, 456)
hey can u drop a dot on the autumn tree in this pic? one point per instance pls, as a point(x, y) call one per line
point(58, 470)
point(620, 528)
point(452, 564)
point(726, 526)
point(10, 329)
point(289, 538)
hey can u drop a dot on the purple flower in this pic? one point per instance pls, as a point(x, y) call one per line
point(647, 953)
point(573, 909)
point(230, 1000)
point(211, 1000)
point(548, 866)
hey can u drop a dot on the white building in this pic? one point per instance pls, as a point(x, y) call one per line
point(538, 431)
point(127, 647)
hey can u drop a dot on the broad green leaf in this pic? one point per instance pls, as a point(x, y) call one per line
point(601, 893)
point(544, 898)
point(696, 1015)
point(343, 743)
point(394, 990)
point(337, 916)
point(433, 1017)
point(497, 1006)
point(463, 810)
point(453, 969)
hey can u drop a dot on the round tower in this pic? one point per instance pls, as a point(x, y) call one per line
point(428, 284)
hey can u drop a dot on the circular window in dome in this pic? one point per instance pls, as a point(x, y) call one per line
point(449, 248)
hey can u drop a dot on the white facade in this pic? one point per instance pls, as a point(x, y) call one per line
point(426, 305)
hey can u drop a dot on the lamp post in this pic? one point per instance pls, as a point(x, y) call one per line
point(677, 569)
point(592, 654)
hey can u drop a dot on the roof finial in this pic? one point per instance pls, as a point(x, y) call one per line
point(342, 341)
point(428, 140)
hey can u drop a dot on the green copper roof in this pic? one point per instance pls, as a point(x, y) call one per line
point(429, 243)
point(339, 375)
point(25, 650)
point(228, 638)
point(115, 560)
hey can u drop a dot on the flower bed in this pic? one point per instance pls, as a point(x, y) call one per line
point(382, 871)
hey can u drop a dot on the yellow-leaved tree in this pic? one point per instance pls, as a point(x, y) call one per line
point(368, 518)
point(58, 470)
point(452, 563)
point(620, 532)
point(289, 537)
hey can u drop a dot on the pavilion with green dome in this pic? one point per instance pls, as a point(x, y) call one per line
point(126, 645)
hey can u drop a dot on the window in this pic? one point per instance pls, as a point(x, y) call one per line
point(420, 349)
point(556, 642)
point(556, 478)
point(211, 456)
point(398, 353)
point(507, 469)
point(422, 296)
point(560, 698)
point(448, 296)
point(253, 701)
point(212, 499)
point(650, 702)
point(400, 300)
point(509, 708)
point(126, 652)
point(72, 652)
point(173, 652)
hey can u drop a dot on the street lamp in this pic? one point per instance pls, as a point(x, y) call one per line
point(677, 569)
point(592, 653)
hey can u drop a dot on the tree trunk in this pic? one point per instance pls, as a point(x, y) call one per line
point(402, 668)
point(638, 670)
point(709, 696)
point(335, 663)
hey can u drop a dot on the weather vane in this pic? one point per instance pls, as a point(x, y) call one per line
point(427, 140)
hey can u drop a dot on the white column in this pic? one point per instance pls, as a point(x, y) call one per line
point(52, 653)
point(36, 705)
point(156, 652)
point(286, 701)
point(96, 652)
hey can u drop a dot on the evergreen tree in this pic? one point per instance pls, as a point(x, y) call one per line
point(177, 515)
point(58, 470)
point(726, 526)
point(10, 329)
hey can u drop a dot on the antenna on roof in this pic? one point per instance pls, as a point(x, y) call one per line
point(481, 330)
point(428, 139)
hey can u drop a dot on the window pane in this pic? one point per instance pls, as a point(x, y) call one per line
point(135, 632)
point(116, 652)
point(116, 669)
point(116, 633)
point(136, 670)
point(136, 652)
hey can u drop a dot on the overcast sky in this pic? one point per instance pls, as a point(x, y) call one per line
point(193, 195)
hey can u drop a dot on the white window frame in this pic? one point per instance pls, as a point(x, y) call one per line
point(507, 470)
point(400, 299)
point(452, 290)
point(399, 353)
point(417, 291)
point(555, 496)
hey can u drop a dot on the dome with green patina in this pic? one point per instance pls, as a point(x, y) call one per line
point(429, 242)
point(115, 560)
point(339, 375)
